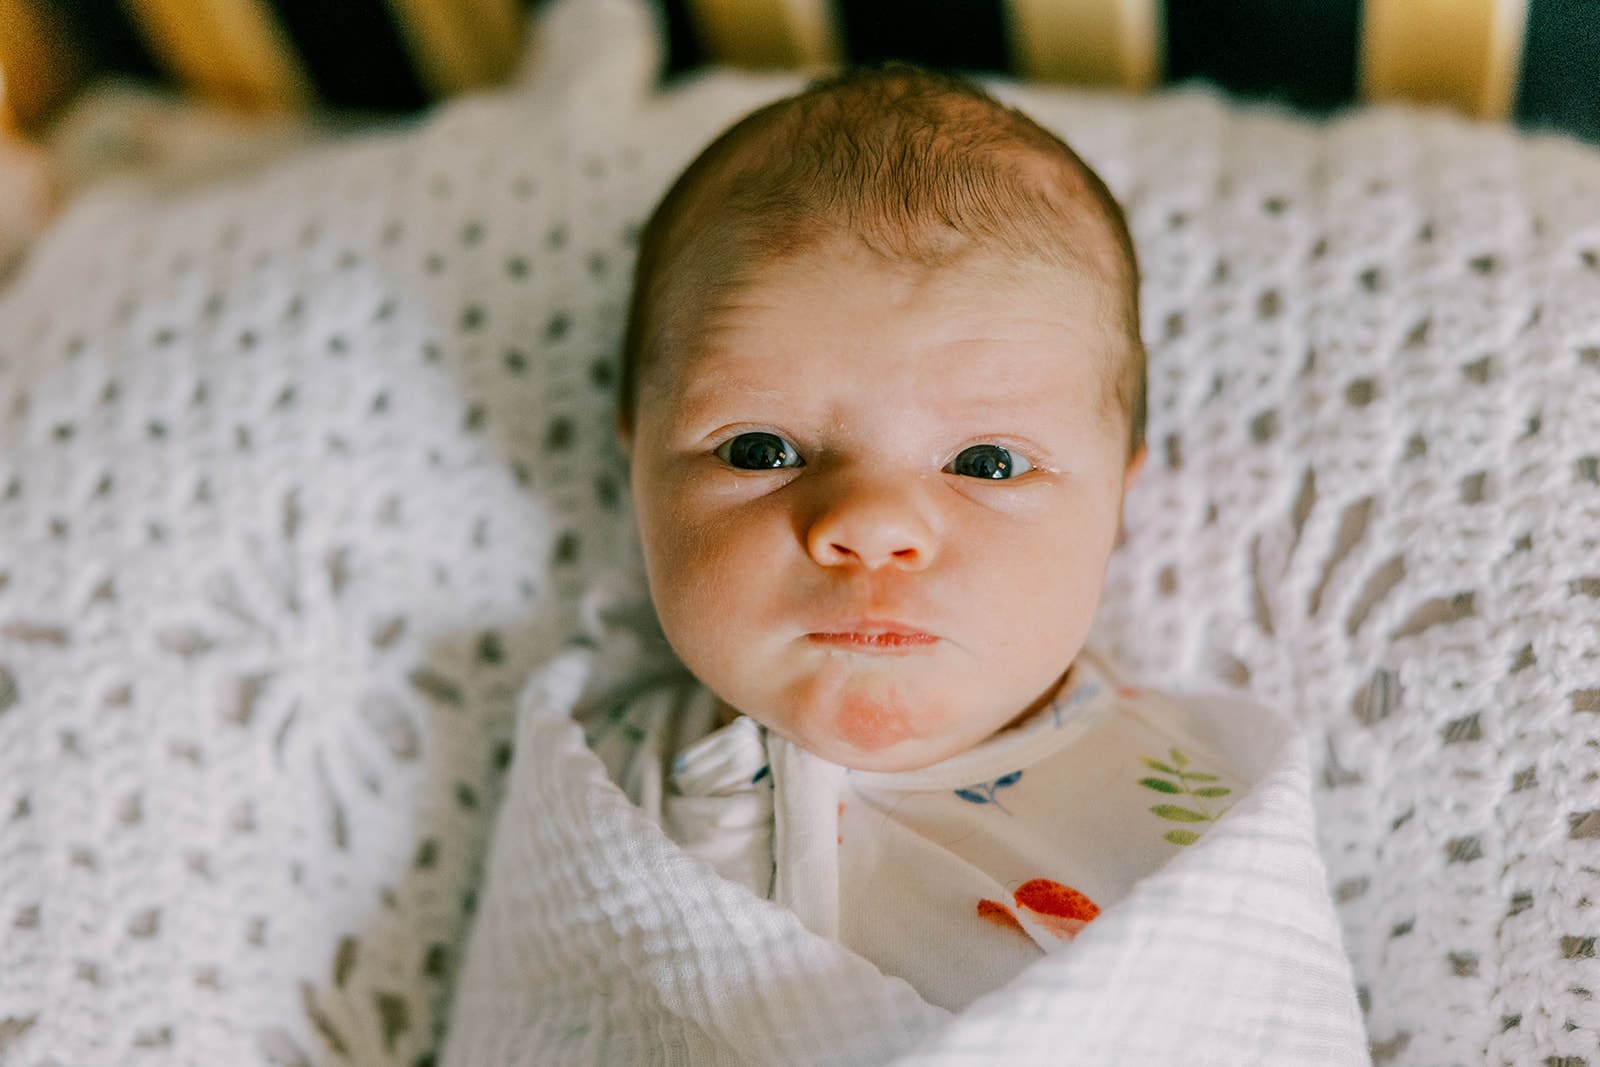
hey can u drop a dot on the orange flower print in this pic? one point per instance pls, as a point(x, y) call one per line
point(997, 913)
point(1058, 908)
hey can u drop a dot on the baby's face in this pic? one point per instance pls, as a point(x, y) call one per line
point(877, 504)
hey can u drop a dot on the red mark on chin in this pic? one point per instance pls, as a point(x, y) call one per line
point(869, 724)
point(1058, 908)
point(997, 913)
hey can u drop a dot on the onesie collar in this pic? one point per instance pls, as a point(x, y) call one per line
point(1085, 694)
point(735, 757)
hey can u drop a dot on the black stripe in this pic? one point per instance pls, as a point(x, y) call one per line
point(1561, 67)
point(955, 34)
point(1301, 52)
point(354, 52)
point(684, 48)
point(102, 32)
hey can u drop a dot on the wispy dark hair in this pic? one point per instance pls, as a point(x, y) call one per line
point(920, 166)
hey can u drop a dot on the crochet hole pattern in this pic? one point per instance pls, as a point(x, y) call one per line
point(255, 639)
point(1378, 511)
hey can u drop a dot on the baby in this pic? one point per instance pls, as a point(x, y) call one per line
point(883, 396)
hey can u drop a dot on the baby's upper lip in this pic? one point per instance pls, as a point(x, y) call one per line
point(872, 625)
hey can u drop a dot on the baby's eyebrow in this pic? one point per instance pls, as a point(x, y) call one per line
point(698, 402)
point(1006, 403)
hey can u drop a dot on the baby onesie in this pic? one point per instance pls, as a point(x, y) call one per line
point(955, 876)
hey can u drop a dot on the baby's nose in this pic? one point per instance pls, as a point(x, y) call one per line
point(874, 527)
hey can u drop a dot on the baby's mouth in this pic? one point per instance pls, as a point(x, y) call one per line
point(873, 636)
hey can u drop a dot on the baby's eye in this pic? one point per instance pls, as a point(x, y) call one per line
point(990, 462)
point(759, 452)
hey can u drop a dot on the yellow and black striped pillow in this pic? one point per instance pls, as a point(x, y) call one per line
point(262, 54)
point(1534, 61)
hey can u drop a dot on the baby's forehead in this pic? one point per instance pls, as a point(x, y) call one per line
point(1085, 290)
point(970, 327)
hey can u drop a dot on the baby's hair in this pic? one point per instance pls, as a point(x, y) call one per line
point(921, 167)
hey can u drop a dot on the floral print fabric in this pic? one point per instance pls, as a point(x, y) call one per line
point(957, 876)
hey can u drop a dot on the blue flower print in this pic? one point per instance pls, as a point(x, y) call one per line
point(984, 792)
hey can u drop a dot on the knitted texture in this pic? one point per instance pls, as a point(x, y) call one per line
point(302, 474)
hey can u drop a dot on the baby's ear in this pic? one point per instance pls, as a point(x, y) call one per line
point(1135, 465)
point(625, 434)
point(1129, 476)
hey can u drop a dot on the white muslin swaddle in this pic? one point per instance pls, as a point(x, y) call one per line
point(1114, 934)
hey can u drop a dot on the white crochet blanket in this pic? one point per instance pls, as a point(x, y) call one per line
point(302, 474)
point(602, 942)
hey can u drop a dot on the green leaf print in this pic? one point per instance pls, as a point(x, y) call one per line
point(1187, 785)
point(1177, 814)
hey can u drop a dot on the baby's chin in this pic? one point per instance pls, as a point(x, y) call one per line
point(874, 732)
point(912, 754)
point(876, 716)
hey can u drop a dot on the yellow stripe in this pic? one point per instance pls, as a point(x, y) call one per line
point(37, 67)
point(460, 45)
point(1505, 58)
point(1089, 42)
point(499, 26)
point(768, 33)
point(815, 32)
point(1463, 53)
point(230, 50)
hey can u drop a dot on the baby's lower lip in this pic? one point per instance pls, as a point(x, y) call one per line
point(875, 642)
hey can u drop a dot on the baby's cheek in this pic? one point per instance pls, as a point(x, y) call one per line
point(715, 603)
point(698, 571)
